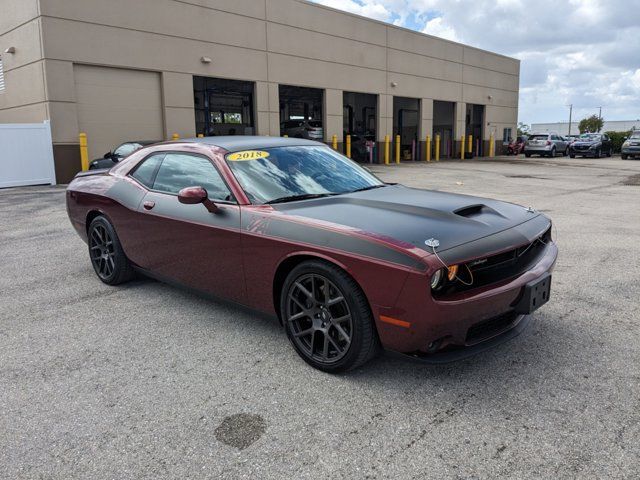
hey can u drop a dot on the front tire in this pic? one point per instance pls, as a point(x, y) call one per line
point(624, 157)
point(327, 317)
point(107, 257)
point(597, 154)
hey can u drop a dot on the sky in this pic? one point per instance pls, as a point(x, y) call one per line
point(580, 52)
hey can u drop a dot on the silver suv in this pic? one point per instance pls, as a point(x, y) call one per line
point(546, 144)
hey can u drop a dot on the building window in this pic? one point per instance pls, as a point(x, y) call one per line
point(1, 76)
point(506, 136)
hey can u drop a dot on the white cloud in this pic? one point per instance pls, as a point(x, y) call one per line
point(373, 10)
point(584, 52)
point(437, 28)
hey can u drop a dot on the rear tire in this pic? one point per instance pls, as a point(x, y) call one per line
point(105, 251)
point(571, 155)
point(528, 155)
point(327, 317)
point(552, 153)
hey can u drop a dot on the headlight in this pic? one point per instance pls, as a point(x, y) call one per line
point(626, 144)
point(437, 279)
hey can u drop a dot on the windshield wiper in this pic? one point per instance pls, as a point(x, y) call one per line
point(371, 187)
point(293, 198)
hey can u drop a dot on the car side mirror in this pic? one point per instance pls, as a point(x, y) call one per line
point(107, 155)
point(195, 195)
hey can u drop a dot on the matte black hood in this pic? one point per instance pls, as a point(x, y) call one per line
point(412, 215)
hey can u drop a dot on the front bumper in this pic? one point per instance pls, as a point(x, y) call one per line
point(584, 151)
point(462, 320)
point(633, 150)
point(456, 354)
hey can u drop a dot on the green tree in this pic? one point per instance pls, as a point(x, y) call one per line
point(523, 129)
point(592, 124)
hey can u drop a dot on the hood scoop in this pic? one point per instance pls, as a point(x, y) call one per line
point(477, 212)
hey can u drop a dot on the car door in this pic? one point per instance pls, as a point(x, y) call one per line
point(187, 243)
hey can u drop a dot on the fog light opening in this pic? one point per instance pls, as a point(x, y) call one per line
point(434, 346)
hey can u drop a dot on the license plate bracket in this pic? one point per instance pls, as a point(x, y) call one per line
point(535, 295)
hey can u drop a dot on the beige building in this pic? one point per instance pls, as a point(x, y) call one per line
point(143, 70)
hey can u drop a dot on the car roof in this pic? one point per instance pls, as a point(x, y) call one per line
point(240, 142)
point(141, 142)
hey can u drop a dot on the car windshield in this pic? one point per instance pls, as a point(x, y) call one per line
point(635, 136)
point(126, 149)
point(288, 173)
point(590, 136)
point(538, 137)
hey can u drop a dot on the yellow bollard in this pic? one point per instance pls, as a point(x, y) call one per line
point(348, 146)
point(438, 147)
point(334, 142)
point(200, 135)
point(428, 148)
point(84, 152)
point(286, 136)
point(397, 148)
point(492, 146)
point(387, 141)
point(175, 137)
point(462, 149)
point(470, 144)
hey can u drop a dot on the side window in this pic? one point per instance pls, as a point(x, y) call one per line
point(145, 172)
point(179, 170)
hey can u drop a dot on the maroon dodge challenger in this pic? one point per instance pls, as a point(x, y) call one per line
point(348, 263)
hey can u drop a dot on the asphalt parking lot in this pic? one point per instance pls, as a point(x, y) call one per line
point(148, 381)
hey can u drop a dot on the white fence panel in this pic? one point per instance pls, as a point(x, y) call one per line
point(26, 155)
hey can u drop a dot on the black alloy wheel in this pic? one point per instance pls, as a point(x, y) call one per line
point(107, 257)
point(327, 318)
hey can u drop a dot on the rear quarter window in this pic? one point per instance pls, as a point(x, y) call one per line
point(145, 173)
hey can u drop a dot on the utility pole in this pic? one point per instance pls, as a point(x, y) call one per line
point(570, 114)
point(600, 116)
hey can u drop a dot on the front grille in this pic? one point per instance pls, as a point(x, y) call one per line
point(487, 328)
point(496, 268)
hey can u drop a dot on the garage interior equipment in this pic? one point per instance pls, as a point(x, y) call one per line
point(223, 107)
point(443, 124)
point(359, 121)
point(300, 103)
point(406, 114)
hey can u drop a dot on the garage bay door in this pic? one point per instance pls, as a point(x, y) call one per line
point(117, 105)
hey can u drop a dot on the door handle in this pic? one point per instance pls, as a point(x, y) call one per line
point(148, 205)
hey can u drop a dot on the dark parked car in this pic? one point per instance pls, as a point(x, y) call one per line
point(591, 145)
point(294, 229)
point(111, 158)
point(631, 146)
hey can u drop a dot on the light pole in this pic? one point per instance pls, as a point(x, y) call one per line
point(570, 114)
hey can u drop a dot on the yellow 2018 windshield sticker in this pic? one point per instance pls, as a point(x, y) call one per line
point(247, 155)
